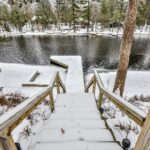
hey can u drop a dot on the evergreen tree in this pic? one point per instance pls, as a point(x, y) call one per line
point(143, 12)
point(111, 10)
point(85, 13)
point(94, 13)
point(4, 18)
point(72, 12)
point(18, 18)
point(122, 10)
point(104, 13)
point(44, 14)
point(75, 13)
point(59, 7)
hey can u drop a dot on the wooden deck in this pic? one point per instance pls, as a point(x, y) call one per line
point(75, 78)
point(75, 124)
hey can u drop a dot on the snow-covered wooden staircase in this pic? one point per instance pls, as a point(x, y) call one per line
point(75, 124)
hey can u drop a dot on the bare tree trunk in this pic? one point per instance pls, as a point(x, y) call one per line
point(88, 16)
point(125, 48)
point(92, 26)
point(73, 12)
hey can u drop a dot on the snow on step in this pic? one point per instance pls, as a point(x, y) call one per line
point(76, 102)
point(74, 109)
point(74, 81)
point(90, 135)
point(103, 146)
point(71, 116)
point(75, 129)
point(78, 146)
point(78, 123)
point(61, 146)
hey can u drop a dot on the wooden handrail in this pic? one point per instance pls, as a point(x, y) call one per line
point(143, 142)
point(130, 110)
point(10, 120)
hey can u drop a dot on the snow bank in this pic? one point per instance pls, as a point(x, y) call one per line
point(137, 83)
point(13, 75)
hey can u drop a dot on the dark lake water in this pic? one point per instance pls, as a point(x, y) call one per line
point(100, 51)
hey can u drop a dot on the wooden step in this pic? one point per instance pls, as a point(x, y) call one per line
point(80, 145)
point(76, 124)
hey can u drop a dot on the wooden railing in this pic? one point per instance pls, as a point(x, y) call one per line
point(141, 118)
point(10, 120)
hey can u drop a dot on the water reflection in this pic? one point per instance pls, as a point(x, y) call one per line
point(100, 51)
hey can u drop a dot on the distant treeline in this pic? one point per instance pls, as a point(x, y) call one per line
point(15, 14)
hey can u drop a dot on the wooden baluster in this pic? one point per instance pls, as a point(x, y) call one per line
point(51, 100)
point(100, 100)
point(62, 85)
point(86, 89)
point(58, 84)
point(143, 142)
point(94, 85)
point(91, 82)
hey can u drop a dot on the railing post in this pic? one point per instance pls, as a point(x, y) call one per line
point(57, 83)
point(100, 100)
point(11, 142)
point(94, 85)
point(86, 90)
point(61, 84)
point(51, 100)
point(143, 142)
point(8, 143)
point(1, 146)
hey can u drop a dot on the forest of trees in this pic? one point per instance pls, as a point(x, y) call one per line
point(73, 13)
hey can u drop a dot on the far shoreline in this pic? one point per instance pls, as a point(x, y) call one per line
point(90, 34)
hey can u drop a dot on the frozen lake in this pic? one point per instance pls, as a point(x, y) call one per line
point(99, 51)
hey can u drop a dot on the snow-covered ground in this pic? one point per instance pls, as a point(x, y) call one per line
point(13, 75)
point(137, 82)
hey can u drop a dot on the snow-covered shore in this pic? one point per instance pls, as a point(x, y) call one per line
point(137, 82)
point(79, 32)
point(12, 76)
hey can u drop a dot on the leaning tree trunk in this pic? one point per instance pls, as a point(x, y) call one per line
point(125, 48)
